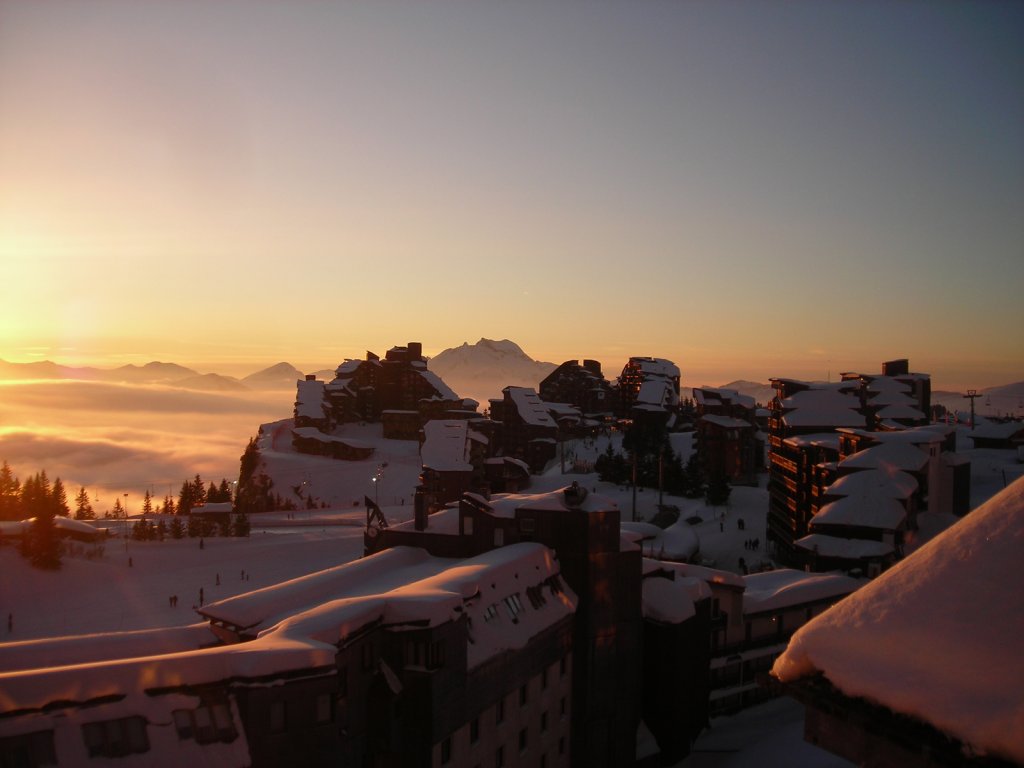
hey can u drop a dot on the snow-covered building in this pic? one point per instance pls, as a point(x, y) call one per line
point(922, 666)
point(362, 390)
point(583, 386)
point(649, 388)
point(525, 427)
point(729, 443)
point(619, 617)
point(401, 658)
point(453, 454)
point(818, 432)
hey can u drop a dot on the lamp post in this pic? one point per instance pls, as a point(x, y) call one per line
point(126, 522)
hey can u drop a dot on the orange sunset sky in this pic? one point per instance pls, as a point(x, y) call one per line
point(750, 189)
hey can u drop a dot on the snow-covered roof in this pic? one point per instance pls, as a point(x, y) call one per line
point(443, 390)
point(900, 412)
point(446, 447)
point(715, 396)
point(530, 407)
point(937, 636)
point(995, 431)
point(505, 505)
point(213, 508)
point(886, 483)
point(864, 511)
point(828, 440)
point(726, 422)
point(348, 368)
point(677, 542)
point(312, 433)
point(785, 587)
point(707, 575)
point(657, 391)
point(656, 366)
point(666, 601)
point(920, 435)
point(309, 399)
point(844, 549)
point(903, 456)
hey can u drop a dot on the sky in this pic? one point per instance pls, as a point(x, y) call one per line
point(750, 189)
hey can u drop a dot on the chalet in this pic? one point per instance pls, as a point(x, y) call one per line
point(313, 441)
point(1007, 435)
point(453, 456)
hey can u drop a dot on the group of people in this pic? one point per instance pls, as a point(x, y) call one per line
point(752, 544)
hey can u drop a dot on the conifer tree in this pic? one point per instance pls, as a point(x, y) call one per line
point(60, 499)
point(177, 528)
point(186, 498)
point(83, 509)
point(10, 494)
point(147, 503)
point(198, 491)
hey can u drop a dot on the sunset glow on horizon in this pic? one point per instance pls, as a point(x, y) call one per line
point(749, 189)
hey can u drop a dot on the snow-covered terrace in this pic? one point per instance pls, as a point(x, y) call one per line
point(903, 456)
point(865, 512)
point(531, 408)
point(309, 399)
point(446, 445)
point(887, 483)
point(843, 549)
point(782, 588)
point(554, 501)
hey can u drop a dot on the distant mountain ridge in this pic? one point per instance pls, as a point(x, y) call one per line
point(279, 376)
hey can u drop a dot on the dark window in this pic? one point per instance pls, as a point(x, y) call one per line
point(343, 682)
point(543, 722)
point(446, 751)
point(562, 707)
point(474, 730)
point(28, 749)
point(561, 667)
point(544, 679)
point(522, 740)
point(205, 724)
point(499, 711)
point(561, 745)
point(116, 738)
point(324, 708)
point(278, 717)
point(499, 758)
point(522, 695)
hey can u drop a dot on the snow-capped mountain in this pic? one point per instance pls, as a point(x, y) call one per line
point(762, 393)
point(280, 376)
point(481, 370)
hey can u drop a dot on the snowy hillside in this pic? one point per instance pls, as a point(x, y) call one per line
point(483, 369)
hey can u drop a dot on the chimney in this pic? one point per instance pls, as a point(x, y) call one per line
point(896, 367)
point(420, 502)
point(310, 377)
point(415, 350)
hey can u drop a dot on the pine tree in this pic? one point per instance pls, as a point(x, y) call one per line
point(10, 494)
point(168, 505)
point(224, 490)
point(177, 528)
point(83, 509)
point(60, 499)
point(147, 503)
point(186, 498)
point(41, 543)
point(198, 491)
point(241, 525)
point(718, 491)
point(119, 511)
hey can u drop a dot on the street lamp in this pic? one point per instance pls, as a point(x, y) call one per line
point(126, 522)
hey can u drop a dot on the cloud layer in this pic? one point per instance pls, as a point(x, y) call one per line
point(115, 439)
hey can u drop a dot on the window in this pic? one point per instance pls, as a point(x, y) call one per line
point(561, 667)
point(543, 722)
point(527, 525)
point(522, 740)
point(499, 711)
point(28, 749)
point(491, 613)
point(499, 537)
point(446, 751)
point(561, 709)
point(205, 724)
point(474, 730)
point(467, 525)
point(278, 717)
point(514, 605)
point(561, 745)
point(115, 738)
point(544, 679)
point(522, 695)
point(324, 708)
point(499, 758)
